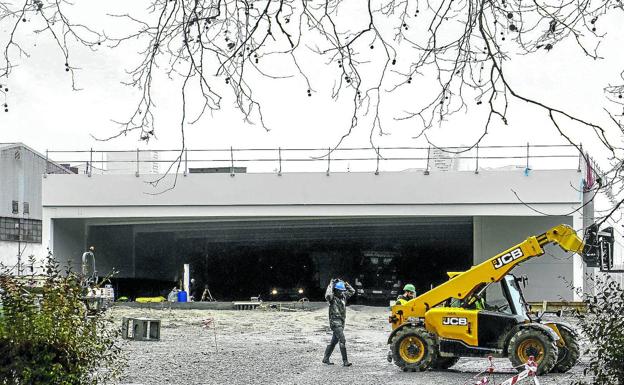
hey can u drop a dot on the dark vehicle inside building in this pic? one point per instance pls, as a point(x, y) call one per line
point(376, 279)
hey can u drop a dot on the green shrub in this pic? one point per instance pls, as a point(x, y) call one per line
point(47, 335)
point(603, 326)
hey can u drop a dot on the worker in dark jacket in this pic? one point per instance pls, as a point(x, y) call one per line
point(336, 295)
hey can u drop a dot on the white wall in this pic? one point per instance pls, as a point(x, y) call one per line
point(20, 180)
point(549, 275)
point(503, 203)
point(21, 172)
point(390, 188)
point(8, 252)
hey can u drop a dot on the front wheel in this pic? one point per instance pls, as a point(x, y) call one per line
point(569, 354)
point(534, 343)
point(414, 349)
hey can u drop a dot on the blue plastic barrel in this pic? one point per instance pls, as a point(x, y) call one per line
point(182, 296)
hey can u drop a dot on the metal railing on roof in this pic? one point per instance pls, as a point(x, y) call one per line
point(355, 159)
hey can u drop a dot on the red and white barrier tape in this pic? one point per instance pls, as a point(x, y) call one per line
point(530, 370)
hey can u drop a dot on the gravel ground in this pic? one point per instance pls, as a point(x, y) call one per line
point(270, 347)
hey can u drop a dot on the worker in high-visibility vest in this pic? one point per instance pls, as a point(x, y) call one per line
point(409, 293)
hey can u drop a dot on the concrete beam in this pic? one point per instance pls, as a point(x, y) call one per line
point(392, 188)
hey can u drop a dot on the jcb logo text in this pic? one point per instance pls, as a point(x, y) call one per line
point(454, 321)
point(507, 258)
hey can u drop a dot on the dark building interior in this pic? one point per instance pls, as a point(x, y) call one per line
point(281, 259)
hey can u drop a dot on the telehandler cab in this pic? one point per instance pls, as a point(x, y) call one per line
point(452, 320)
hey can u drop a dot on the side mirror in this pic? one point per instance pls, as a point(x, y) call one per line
point(607, 240)
point(598, 251)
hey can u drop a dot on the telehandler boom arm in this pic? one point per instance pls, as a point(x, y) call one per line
point(494, 269)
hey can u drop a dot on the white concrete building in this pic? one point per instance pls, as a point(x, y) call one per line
point(242, 228)
point(21, 171)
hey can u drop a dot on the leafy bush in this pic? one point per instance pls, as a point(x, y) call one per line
point(47, 336)
point(603, 326)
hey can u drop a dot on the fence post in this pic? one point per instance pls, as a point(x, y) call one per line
point(231, 161)
point(137, 163)
point(185, 161)
point(279, 157)
point(580, 157)
point(427, 167)
point(328, 160)
point(477, 165)
point(377, 170)
point(90, 166)
point(527, 157)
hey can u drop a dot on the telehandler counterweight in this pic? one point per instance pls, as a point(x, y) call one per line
point(454, 319)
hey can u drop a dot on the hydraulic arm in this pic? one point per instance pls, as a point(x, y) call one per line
point(494, 269)
point(457, 319)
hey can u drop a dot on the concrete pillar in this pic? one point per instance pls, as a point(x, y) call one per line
point(588, 209)
point(187, 279)
point(47, 237)
point(578, 266)
point(587, 220)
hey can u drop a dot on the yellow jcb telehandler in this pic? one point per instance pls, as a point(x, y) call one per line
point(455, 319)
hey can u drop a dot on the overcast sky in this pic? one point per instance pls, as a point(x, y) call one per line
point(45, 113)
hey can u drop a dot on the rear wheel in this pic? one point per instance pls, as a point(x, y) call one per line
point(569, 354)
point(444, 362)
point(414, 349)
point(533, 343)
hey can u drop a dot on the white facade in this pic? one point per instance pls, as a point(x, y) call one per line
point(21, 171)
point(9, 252)
point(505, 207)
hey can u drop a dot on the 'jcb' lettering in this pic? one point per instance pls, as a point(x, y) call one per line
point(507, 258)
point(455, 321)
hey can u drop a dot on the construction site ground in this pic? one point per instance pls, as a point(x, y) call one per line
point(266, 346)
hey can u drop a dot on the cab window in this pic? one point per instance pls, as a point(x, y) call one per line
point(495, 299)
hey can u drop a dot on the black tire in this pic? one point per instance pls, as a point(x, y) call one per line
point(444, 362)
point(569, 354)
point(533, 342)
point(414, 349)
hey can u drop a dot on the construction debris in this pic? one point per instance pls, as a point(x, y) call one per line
point(140, 329)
